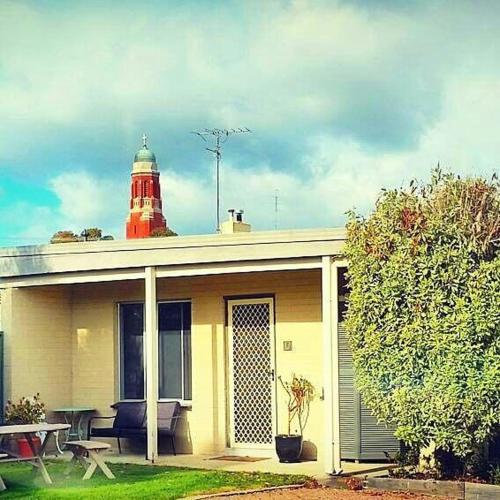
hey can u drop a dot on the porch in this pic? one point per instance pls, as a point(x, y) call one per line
point(65, 339)
point(210, 461)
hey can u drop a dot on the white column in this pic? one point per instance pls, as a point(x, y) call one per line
point(331, 457)
point(337, 466)
point(151, 362)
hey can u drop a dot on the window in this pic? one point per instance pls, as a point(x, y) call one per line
point(131, 349)
point(174, 350)
point(343, 293)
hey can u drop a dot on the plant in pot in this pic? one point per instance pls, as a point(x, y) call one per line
point(300, 393)
point(26, 411)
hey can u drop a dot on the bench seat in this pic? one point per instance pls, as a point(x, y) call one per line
point(130, 421)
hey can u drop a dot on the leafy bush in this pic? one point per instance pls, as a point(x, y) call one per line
point(162, 232)
point(495, 475)
point(424, 311)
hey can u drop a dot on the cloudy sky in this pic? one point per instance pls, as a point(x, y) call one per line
point(343, 98)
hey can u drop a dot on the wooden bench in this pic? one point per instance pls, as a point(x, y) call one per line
point(87, 453)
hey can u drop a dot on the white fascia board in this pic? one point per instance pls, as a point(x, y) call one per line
point(71, 278)
point(162, 272)
point(220, 250)
point(238, 267)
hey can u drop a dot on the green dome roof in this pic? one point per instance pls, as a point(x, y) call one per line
point(144, 154)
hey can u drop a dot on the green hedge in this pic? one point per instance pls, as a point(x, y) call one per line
point(424, 310)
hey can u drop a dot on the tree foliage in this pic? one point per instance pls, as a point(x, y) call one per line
point(424, 310)
point(64, 236)
point(88, 234)
point(91, 234)
point(162, 232)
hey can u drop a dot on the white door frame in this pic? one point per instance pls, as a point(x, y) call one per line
point(272, 376)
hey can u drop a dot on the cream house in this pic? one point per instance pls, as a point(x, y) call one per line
point(210, 321)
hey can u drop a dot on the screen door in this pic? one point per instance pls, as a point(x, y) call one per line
point(251, 373)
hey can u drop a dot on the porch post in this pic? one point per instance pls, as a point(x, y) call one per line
point(151, 362)
point(330, 367)
point(337, 466)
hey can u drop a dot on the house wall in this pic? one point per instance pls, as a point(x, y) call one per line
point(95, 341)
point(62, 341)
point(37, 324)
point(298, 318)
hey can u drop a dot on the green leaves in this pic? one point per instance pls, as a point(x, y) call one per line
point(424, 310)
point(26, 411)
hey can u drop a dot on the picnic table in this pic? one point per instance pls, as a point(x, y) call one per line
point(28, 431)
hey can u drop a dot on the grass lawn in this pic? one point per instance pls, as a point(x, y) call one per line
point(132, 481)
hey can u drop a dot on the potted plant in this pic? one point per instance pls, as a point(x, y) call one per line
point(300, 393)
point(26, 411)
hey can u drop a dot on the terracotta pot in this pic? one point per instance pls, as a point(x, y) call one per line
point(288, 448)
point(24, 448)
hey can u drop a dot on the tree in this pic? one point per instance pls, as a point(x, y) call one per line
point(89, 234)
point(424, 311)
point(162, 232)
point(64, 237)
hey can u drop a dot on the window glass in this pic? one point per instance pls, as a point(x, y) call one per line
point(174, 332)
point(186, 308)
point(132, 363)
point(343, 293)
point(174, 350)
point(170, 350)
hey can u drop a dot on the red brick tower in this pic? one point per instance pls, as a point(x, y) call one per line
point(145, 200)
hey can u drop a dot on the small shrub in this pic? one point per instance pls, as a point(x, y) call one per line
point(354, 483)
point(495, 475)
point(26, 411)
point(476, 464)
point(407, 461)
point(162, 232)
point(300, 393)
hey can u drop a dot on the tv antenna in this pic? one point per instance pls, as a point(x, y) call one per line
point(276, 199)
point(220, 136)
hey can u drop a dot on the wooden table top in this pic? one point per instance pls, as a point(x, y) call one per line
point(75, 409)
point(32, 428)
point(89, 445)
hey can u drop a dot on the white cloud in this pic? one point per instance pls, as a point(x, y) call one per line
point(367, 97)
point(336, 175)
point(303, 64)
point(84, 200)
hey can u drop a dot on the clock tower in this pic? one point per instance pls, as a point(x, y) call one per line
point(145, 195)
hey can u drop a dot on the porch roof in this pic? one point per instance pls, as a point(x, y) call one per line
point(173, 256)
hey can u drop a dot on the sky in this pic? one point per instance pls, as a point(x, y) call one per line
point(343, 98)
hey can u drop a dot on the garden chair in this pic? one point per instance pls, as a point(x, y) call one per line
point(129, 421)
point(168, 415)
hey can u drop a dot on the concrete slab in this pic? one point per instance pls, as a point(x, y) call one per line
point(313, 469)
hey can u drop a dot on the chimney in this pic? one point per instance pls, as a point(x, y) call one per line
point(235, 223)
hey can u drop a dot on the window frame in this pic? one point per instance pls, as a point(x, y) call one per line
point(183, 402)
point(120, 350)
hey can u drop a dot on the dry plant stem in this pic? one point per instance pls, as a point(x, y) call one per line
point(300, 393)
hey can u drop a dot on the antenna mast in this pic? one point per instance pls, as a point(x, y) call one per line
point(276, 192)
point(220, 136)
